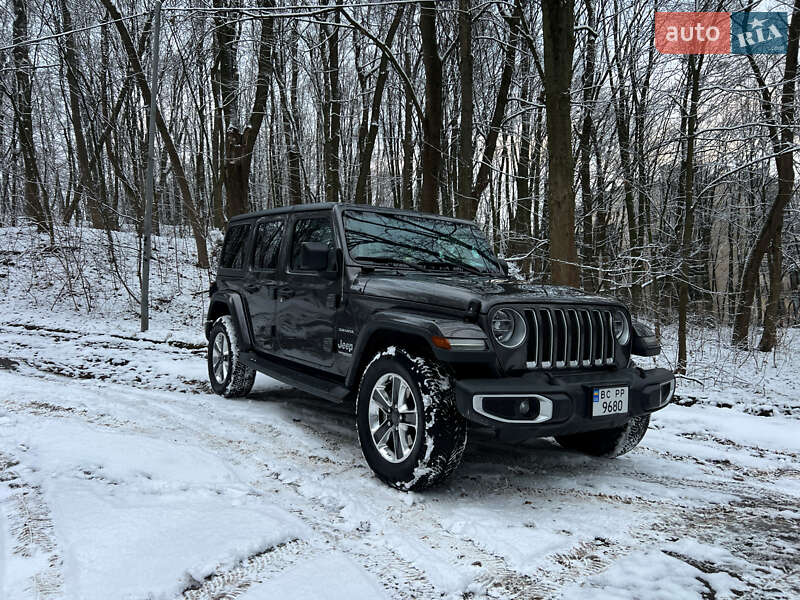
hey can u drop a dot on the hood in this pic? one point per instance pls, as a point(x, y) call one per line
point(456, 291)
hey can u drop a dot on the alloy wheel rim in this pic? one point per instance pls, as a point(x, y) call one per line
point(393, 417)
point(220, 357)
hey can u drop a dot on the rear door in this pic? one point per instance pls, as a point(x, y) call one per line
point(307, 301)
point(261, 281)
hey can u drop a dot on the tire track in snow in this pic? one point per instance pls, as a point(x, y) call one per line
point(105, 357)
point(231, 583)
point(59, 332)
point(31, 528)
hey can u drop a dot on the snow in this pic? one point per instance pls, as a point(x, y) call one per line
point(652, 575)
point(122, 476)
point(330, 575)
point(174, 510)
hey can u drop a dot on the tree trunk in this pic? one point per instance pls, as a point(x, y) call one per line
point(35, 205)
point(239, 144)
point(293, 153)
point(782, 138)
point(509, 56)
point(465, 201)
point(521, 225)
point(365, 158)
point(602, 209)
point(290, 119)
point(333, 109)
point(407, 176)
point(536, 192)
point(775, 260)
point(432, 123)
point(585, 150)
point(622, 120)
point(85, 181)
point(694, 67)
point(217, 152)
point(558, 21)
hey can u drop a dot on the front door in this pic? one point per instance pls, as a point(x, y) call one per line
point(307, 301)
point(261, 281)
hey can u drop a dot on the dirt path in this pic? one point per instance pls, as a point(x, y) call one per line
point(516, 521)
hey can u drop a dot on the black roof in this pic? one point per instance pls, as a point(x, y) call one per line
point(342, 205)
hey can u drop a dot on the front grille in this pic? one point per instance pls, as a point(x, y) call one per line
point(560, 338)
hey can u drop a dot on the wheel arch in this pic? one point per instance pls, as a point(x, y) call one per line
point(382, 338)
point(230, 303)
point(387, 330)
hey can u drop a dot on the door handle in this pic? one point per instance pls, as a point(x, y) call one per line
point(285, 293)
point(252, 287)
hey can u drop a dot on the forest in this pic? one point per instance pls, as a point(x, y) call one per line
point(587, 156)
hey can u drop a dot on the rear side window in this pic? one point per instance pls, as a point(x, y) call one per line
point(310, 230)
point(267, 245)
point(233, 248)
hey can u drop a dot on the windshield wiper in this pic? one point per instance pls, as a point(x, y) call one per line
point(451, 263)
point(389, 262)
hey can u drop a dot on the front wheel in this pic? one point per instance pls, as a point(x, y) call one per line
point(608, 442)
point(229, 376)
point(410, 430)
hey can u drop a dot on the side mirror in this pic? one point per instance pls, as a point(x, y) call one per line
point(314, 256)
point(503, 265)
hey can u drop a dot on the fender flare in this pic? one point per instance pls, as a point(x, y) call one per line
point(238, 313)
point(421, 326)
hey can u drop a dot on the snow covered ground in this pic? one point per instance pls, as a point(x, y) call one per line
point(121, 476)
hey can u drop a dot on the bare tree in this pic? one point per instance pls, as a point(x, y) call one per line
point(509, 57)
point(36, 206)
point(365, 158)
point(432, 123)
point(466, 202)
point(559, 43)
point(782, 139)
point(691, 102)
point(172, 151)
point(239, 143)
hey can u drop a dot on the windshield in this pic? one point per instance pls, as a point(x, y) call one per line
point(417, 242)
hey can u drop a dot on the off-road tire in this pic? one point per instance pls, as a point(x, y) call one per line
point(608, 442)
point(239, 379)
point(442, 436)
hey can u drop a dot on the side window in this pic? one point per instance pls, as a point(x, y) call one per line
point(317, 229)
point(233, 247)
point(267, 245)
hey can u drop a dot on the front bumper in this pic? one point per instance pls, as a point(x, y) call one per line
point(559, 403)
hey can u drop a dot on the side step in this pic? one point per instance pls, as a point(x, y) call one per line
point(306, 382)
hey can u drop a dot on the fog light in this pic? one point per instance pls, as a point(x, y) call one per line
point(524, 407)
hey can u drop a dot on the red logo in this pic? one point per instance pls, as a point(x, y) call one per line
point(693, 32)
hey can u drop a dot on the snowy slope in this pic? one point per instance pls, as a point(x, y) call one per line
point(121, 476)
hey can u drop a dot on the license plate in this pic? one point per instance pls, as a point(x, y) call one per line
point(609, 401)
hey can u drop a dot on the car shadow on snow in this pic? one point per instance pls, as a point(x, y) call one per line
point(485, 455)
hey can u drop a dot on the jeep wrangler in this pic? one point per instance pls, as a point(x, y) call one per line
point(416, 320)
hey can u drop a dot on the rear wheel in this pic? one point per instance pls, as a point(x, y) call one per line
point(411, 433)
point(229, 377)
point(608, 442)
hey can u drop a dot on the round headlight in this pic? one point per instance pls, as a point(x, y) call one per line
point(621, 327)
point(508, 327)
